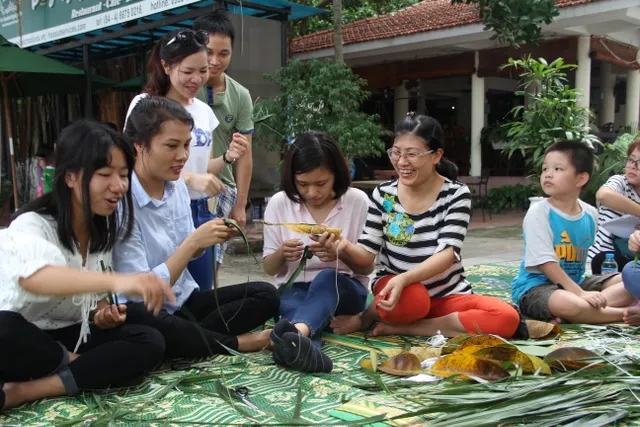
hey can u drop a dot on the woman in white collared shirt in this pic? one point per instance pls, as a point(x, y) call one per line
point(51, 278)
point(164, 240)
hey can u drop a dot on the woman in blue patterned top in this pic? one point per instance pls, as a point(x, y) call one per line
point(417, 224)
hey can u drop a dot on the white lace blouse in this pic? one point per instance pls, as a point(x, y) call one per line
point(29, 244)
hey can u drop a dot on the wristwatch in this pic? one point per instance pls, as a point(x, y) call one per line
point(224, 159)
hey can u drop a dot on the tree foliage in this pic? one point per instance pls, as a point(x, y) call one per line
point(320, 96)
point(352, 10)
point(551, 113)
point(515, 22)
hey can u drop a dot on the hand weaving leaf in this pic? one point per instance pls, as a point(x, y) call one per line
point(307, 254)
point(230, 223)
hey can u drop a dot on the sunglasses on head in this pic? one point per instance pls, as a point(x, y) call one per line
point(201, 37)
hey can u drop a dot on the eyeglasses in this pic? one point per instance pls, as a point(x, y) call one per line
point(635, 163)
point(201, 37)
point(395, 155)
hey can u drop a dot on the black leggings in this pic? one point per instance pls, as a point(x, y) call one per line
point(110, 358)
point(198, 329)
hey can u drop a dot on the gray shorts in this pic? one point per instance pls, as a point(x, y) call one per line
point(534, 304)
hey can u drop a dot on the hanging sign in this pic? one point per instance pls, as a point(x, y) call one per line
point(43, 21)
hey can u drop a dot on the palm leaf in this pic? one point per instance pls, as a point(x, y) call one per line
point(307, 254)
point(298, 408)
point(233, 224)
point(377, 379)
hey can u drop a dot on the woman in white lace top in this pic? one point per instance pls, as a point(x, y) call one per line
point(58, 333)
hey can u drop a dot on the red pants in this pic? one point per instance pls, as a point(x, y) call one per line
point(477, 313)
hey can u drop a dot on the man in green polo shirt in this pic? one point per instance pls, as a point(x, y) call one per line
point(232, 105)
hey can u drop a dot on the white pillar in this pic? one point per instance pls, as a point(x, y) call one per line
point(400, 102)
point(607, 98)
point(632, 110)
point(477, 119)
point(583, 73)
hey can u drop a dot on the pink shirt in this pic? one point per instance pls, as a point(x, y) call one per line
point(349, 214)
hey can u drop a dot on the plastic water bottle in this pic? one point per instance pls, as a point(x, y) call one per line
point(609, 265)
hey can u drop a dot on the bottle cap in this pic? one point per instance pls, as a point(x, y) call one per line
point(609, 256)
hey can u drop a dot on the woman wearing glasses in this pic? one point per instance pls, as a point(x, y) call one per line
point(178, 69)
point(417, 224)
point(617, 197)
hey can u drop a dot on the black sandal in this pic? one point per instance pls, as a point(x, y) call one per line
point(522, 332)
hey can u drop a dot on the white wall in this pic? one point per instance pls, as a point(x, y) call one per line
point(255, 53)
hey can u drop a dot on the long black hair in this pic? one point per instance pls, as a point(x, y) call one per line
point(150, 114)
point(85, 146)
point(172, 49)
point(313, 150)
point(429, 130)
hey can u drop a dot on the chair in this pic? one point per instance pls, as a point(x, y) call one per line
point(481, 183)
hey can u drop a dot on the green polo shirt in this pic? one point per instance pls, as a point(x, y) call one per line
point(234, 110)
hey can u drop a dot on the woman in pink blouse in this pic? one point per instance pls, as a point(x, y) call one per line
point(315, 184)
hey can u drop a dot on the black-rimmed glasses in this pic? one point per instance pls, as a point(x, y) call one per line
point(635, 163)
point(201, 37)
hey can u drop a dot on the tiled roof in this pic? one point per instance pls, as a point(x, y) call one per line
point(427, 15)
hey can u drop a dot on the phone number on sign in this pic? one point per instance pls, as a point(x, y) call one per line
point(120, 15)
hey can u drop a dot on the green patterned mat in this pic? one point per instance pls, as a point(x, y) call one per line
point(184, 398)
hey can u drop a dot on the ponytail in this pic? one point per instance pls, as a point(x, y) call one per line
point(448, 169)
point(159, 82)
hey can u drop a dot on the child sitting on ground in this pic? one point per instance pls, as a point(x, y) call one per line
point(558, 232)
